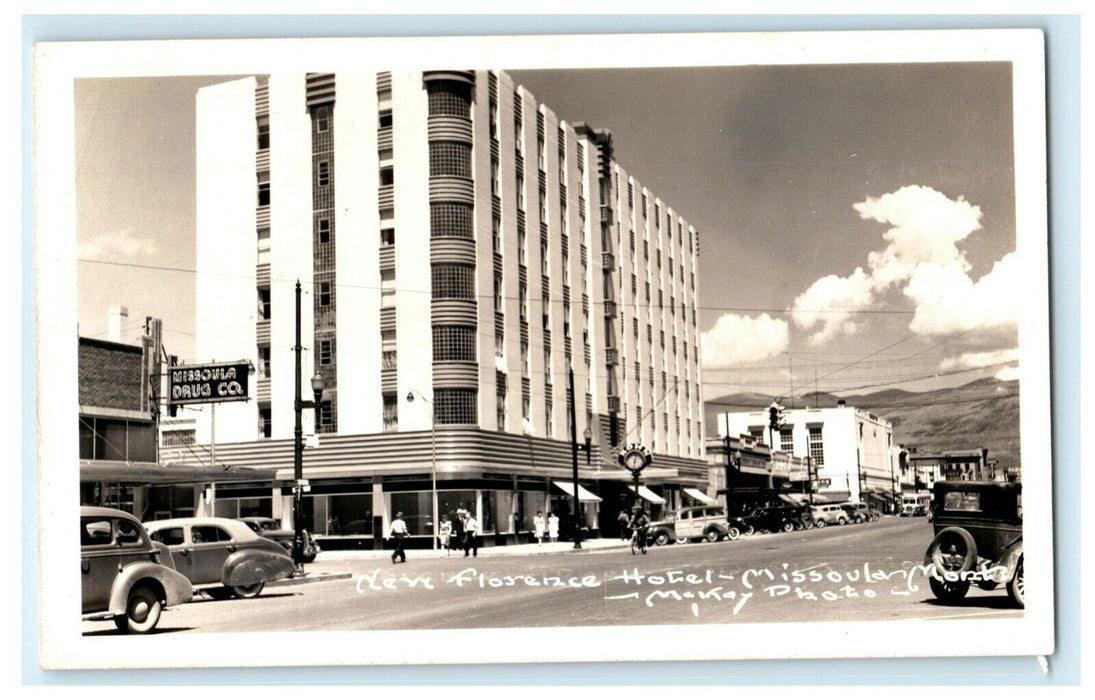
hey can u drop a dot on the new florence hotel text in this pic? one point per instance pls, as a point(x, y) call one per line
point(461, 250)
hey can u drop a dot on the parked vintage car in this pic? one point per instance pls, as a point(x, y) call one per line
point(776, 519)
point(222, 557)
point(860, 512)
point(126, 577)
point(824, 514)
point(697, 522)
point(978, 539)
point(272, 530)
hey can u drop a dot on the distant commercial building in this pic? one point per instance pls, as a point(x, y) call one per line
point(461, 249)
point(850, 450)
point(756, 471)
point(921, 469)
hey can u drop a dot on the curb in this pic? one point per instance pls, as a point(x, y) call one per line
point(343, 555)
point(309, 578)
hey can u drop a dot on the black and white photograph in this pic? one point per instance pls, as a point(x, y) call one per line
point(592, 348)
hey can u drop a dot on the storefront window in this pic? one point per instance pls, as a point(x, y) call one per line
point(350, 514)
point(416, 509)
point(449, 501)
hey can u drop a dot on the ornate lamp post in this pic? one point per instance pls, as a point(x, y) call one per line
point(318, 385)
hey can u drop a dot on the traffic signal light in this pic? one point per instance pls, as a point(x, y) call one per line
point(773, 418)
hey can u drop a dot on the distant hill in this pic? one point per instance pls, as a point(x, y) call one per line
point(983, 413)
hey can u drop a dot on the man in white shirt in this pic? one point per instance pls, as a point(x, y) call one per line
point(398, 533)
point(471, 536)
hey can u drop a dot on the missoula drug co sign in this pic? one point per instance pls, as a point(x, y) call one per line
point(208, 383)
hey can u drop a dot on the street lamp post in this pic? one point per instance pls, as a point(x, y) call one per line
point(433, 459)
point(318, 385)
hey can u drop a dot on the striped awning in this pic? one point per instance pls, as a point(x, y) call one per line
point(649, 495)
point(583, 494)
point(700, 496)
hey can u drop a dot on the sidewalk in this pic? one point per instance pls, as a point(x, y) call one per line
point(520, 550)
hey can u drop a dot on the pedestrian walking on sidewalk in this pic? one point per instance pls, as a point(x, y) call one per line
point(553, 527)
point(445, 534)
point(457, 539)
point(623, 519)
point(538, 525)
point(471, 536)
point(398, 533)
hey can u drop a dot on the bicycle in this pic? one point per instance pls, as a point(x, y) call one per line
point(638, 541)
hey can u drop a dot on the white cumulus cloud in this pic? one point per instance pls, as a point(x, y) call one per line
point(737, 340)
point(974, 360)
point(125, 243)
point(1008, 374)
point(921, 257)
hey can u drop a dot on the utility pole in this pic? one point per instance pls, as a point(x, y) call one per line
point(574, 457)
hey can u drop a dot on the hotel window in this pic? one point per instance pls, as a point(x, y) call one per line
point(496, 233)
point(525, 407)
point(647, 292)
point(540, 153)
point(499, 342)
point(324, 293)
point(264, 132)
point(500, 411)
point(324, 173)
point(547, 362)
point(543, 206)
point(264, 189)
point(521, 192)
point(498, 293)
point(451, 220)
point(524, 357)
point(387, 288)
point(566, 321)
point(264, 361)
point(494, 120)
point(387, 236)
point(264, 303)
point(817, 447)
point(323, 119)
point(453, 344)
point(325, 352)
point(452, 158)
point(544, 262)
point(326, 416)
point(266, 422)
point(455, 406)
point(391, 412)
point(385, 119)
point(453, 281)
point(566, 268)
point(521, 255)
point(787, 439)
point(387, 176)
point(324, 230)
point(549, 422)
point(495, 177)
point(546, 311)
point(522, 302)
point(449, 98)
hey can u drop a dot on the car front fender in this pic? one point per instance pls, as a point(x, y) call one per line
point(1008, 561)
point(176, 587)
point(250, 566)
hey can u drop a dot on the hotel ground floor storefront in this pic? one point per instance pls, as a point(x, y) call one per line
point(356, 483)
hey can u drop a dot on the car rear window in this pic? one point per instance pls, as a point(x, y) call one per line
point(209, 533)
point(962, 501)
point(95, 532)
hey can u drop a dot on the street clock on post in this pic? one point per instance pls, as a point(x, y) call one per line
point(635, 458)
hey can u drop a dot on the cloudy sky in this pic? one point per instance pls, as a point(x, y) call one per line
point(857, 221)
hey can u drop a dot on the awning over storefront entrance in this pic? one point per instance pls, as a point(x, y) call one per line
point(700, 496)
point(649, 495)
point(583, 494)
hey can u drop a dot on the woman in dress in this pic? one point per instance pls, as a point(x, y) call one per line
point(538, 526)
point(553, 527)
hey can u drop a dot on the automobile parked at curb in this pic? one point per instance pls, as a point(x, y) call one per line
point(978, 539)
point(125, 576)
point(698, 522)
point(828, 514)
point(860, 512)
point(222, 557)
point(776, 519)
point(272, 530)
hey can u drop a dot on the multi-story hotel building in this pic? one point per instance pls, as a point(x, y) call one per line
point(461, 249)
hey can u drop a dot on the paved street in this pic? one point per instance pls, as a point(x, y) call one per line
point(855, 572)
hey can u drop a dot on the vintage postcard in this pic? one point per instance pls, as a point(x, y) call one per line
point(524, 349)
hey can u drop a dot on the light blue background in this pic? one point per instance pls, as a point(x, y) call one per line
point(1063, 84)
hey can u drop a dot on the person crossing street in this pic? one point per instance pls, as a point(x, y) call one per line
point(398, 533)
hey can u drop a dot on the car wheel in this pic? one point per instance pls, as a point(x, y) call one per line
point(1016, 587)
point(733, 533)
point(841, 521)
point(858, 519)
point(309, 556)
point(661, 539)
point(222, 593)
point(683, 540)
point(949, 591)
point(953, 551)
point(142, 611)
point(808, 524)
point(821, 523)
point(749, 530)
point(712, 535)
point(788, 526)
point(987, 585)
point(247, 591)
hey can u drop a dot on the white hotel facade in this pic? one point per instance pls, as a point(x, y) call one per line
point(461, 248)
